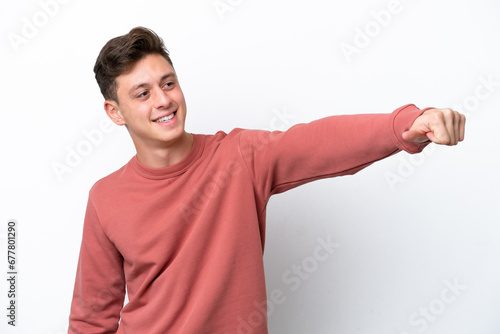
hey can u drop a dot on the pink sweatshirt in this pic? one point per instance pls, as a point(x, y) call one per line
point(187, 240)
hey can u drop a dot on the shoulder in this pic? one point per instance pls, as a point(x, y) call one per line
point(109, 182)
point(223, 140)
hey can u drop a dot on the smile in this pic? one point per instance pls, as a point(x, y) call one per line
point(165, 118)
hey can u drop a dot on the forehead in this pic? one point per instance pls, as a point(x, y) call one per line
point(148, 70)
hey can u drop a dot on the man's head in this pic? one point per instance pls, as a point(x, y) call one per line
point(120, 54)
point(142, 92)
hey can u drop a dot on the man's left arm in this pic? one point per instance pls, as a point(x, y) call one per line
point(342, 145)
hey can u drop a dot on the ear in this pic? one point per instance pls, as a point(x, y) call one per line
point(113, 112)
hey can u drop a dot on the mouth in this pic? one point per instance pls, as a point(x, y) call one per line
point(165, 119)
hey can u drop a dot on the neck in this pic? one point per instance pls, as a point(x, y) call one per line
point(168, 155)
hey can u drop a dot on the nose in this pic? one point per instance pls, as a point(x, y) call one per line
point(161, 99)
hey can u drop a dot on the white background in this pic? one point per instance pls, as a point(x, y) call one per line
point(405, 226)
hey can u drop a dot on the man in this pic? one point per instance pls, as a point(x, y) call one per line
point(182, 225)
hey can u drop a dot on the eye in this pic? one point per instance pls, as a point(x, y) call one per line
point(142, 94)
point(169, 84)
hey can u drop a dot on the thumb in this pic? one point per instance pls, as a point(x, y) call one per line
point(415, 136)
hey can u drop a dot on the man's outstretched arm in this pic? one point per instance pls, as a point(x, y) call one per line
point(342, 145)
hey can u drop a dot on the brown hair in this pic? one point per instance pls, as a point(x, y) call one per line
point(120, 54)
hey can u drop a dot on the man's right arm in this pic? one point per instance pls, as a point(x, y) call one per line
point(100, 283)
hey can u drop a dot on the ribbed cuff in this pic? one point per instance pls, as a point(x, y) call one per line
point(401, 121)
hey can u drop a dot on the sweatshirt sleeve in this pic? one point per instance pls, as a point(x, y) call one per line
point(333, 146)
point(99, 289)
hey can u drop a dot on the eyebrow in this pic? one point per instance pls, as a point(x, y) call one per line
point(144, 85)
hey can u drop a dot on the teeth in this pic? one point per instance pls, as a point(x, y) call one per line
point(165, 119)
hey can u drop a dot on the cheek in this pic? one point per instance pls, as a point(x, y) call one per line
point(179, 97)
point(140, 110)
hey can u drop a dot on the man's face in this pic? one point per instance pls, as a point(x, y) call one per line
point(150, 103)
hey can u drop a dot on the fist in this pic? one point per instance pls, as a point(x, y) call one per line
point(441, 126)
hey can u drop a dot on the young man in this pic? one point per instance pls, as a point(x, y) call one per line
point(182, 225)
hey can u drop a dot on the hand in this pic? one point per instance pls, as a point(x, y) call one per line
point(441, 126)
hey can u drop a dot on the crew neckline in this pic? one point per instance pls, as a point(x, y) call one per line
point(173, 170)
